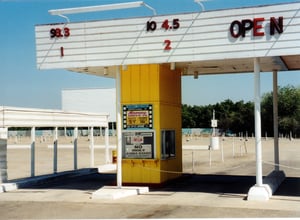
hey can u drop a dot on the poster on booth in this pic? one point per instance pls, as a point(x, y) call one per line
point(138, 145)
point(137, 116)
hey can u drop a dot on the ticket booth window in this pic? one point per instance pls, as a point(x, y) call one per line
point(168, 144)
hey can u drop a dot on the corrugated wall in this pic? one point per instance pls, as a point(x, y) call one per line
point(90, 100)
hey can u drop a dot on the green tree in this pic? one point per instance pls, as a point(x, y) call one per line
point(232, 116)
point(288, 111)
point(239, 116)
point(187, 117)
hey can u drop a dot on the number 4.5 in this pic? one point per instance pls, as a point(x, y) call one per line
point(175, 24)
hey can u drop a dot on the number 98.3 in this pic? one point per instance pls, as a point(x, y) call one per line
point(58, 32)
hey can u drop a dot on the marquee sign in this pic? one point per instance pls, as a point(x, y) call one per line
point(200, 36)
point(239, 28)
point(165, 26)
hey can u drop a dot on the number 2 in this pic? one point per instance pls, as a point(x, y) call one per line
point(168, 45)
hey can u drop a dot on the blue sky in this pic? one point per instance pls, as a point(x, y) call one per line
point(22, 85)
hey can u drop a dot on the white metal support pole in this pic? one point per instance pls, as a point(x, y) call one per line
point(259, 192)
point(32, 150)
point(233, 147)
point(209, 155)
point(214, 128)
point(92, 154)
point(75, 148)
point(55, 150)
point(222, 150)
point(257, 114)
point(119, 129)
point(275, 119)
point(107, 160)
point(193, 164)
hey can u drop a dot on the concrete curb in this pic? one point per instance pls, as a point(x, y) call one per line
point(271, 184)
point(274, 179)
point(38, 180)
point(113, 192)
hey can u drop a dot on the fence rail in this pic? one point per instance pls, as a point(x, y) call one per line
point(39, 118)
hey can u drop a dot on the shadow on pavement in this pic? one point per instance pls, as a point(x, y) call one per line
point(85, 182)
point(289, 187)
point(219, 184)
point(227, 184)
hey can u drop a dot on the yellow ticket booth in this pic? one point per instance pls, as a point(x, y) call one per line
point(151, 131)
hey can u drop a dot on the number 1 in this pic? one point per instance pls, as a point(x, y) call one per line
point(62, 51)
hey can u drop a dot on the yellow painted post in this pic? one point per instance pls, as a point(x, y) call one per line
point(158, 88)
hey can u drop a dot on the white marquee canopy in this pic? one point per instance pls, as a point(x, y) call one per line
point(211, 42)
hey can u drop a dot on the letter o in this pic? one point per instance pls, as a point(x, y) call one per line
point(235, 33)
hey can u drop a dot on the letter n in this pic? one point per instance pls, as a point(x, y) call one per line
point(276, 24)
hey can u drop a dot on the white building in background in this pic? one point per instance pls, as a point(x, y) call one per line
point(94, 100)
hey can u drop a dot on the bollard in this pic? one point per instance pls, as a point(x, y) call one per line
point(114, 156)
point(214, 143)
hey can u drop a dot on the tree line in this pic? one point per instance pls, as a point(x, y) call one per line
point(237, 117)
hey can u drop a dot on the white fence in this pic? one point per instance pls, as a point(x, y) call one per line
point(26, 117)
point(38, 118)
